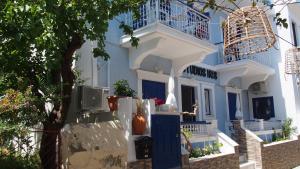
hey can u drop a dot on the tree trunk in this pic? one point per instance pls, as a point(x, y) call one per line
point(50, 145)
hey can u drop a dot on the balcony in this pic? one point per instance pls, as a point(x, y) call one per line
point(171, 30)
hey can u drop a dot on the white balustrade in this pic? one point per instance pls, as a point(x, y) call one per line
point(197, 129)
point(261, 125)
point(172, 13)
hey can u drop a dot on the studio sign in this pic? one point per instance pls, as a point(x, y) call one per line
point(199, 71)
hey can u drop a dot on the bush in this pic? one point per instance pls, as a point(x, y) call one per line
point(15, 161)
point(122, 88)
point(207, 150)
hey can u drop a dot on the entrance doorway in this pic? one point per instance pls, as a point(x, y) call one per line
point(188, 101)
point(232, 105)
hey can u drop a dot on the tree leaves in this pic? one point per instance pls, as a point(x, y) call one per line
point(280, 21)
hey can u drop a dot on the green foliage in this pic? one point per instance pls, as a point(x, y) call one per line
point(38, 40)
point(187, 133)
point(280, 21)
point(122, 88)
point(17, 161)
point(287, 129)
point(207, 150)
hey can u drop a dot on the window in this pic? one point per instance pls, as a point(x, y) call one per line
point(207, 99)
point(152, 89)
point(263, 108)
point(294, 30)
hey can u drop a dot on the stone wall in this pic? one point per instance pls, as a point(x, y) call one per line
point(239, 136)
point(281, 155)
point(140, 164)
point(221, 161)
point(276, 155)
point(254, 148)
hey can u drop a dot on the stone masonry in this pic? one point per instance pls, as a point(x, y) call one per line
point(276, 155)
point(140, 164)
point(218, 161)
point(281, 155)
point(228, 161)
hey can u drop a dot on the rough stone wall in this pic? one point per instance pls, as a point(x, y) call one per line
point(284, 155)
point(140, 164)
point(239, 135)
point(94, 146)
point(228, 161)
point(185, 161)
point(254, 149)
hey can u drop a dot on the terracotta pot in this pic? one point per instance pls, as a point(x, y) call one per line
point(113, 103)
point(138, 124)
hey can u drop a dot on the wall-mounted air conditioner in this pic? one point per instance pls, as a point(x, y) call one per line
point(259, 88)
point(92, 98)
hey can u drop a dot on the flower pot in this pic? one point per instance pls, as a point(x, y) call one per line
point(113, 103)
point(138, 124)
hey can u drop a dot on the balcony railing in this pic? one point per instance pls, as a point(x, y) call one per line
point(261, 125)
point(260, 58)
point(172, 13)
point(197, 128)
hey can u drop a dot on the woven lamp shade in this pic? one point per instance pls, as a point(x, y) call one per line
point(247, 31)
point(292, 61)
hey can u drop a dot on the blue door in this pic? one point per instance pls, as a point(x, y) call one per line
point(166, 148)
point(232, 105)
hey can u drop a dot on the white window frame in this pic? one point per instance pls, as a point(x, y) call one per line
point(147, 75)
point(211, 87)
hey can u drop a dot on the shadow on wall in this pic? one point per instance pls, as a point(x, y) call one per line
point(94, 145)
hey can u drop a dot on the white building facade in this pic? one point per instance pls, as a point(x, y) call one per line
point(174, 35)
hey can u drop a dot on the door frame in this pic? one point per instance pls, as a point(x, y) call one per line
point(236, 91)
point(196, 85)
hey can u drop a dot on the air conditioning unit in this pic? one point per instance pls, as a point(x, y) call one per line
point(92, 98)
point(259, 88)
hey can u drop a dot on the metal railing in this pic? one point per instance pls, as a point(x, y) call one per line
point(172, 13)
point(264, 59)
point(261, 125)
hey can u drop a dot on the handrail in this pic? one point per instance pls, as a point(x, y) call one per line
point(173, 13)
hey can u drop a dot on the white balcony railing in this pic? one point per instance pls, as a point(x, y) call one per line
point(261, 125)
point(172, 13)
point(199, 128)
point(263, 59)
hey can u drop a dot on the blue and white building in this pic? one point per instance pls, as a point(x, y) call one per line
point(174, 34)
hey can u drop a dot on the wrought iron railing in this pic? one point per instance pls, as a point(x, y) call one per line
point(172, 13)
point(260, 58)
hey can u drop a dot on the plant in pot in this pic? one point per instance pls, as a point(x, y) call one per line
point(139, 122)
point(121, 89)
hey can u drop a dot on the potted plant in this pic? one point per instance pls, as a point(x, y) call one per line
point(121, 89)
point(139, 121)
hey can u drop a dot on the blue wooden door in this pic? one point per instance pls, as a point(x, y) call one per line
point(232, 105)
point(166, 148)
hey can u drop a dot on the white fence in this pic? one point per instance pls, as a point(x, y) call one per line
point(261, 125)
point(172, 13)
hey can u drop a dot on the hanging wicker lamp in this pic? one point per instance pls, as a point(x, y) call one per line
point(292, 61)
point(247, 31)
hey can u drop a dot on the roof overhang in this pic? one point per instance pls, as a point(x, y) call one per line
point(248, 70)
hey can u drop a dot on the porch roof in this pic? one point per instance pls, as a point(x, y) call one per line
point(248, 70)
